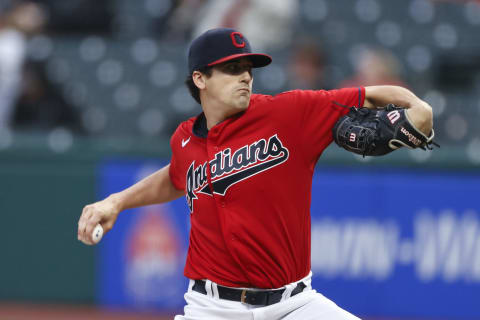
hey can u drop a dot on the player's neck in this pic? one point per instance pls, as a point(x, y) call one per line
point(216, 114)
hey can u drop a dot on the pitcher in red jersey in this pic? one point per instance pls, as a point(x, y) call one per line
point(245, 166)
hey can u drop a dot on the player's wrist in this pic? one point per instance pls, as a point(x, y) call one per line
point(116, 202)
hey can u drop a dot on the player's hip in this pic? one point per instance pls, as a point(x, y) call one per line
point(297, 300)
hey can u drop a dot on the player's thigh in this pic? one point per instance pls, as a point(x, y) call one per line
point(320, 308)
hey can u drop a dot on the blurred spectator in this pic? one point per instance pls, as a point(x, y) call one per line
point(268, 24)
point(40, 106)
point(180, 22)
point(18, 21)
point(306, 66)
point(375, 67)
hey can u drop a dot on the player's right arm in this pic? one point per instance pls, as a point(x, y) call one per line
point(154, 189)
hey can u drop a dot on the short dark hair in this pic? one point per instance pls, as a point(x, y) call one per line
point(194, 91)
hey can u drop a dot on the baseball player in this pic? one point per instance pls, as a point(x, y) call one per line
point(245, 166)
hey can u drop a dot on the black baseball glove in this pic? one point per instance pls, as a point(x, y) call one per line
point(376, 132)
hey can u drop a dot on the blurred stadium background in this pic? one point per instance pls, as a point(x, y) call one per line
point(90, 92)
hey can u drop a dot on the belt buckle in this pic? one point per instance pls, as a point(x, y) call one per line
point(243, 296)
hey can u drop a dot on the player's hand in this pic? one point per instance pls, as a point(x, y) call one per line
point(103, 212)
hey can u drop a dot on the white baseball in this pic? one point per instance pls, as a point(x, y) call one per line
point(97, 233)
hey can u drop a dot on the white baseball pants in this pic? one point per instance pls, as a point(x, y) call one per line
point(307, 305)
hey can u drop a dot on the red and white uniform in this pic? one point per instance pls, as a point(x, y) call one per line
point(248, 186)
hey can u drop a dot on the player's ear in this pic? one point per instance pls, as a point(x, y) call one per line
point(199, 79)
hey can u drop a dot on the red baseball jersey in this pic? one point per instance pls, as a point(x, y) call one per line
point(248, 186)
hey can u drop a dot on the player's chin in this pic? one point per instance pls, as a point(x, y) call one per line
point(242, 101)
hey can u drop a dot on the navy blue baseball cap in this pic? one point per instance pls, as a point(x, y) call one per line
point(219, 45)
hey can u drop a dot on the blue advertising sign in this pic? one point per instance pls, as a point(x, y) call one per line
point(396, 243)
point(141, 261)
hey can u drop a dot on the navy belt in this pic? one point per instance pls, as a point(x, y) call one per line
point(252, 297)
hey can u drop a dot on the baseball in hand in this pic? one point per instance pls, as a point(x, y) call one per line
point(97, 234)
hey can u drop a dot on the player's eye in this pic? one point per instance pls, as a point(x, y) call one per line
point(236, 68)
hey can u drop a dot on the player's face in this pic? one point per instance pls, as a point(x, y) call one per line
point(231, 83)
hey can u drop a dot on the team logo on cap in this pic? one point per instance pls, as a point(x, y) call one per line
point(236, 36)
point(229, 168)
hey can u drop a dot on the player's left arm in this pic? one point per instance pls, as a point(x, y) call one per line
point(419, 112)
point(393, 117)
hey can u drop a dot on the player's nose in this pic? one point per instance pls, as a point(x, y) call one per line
point(246, 76)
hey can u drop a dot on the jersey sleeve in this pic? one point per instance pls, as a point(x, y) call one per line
point(320, 111)
point(174, 170)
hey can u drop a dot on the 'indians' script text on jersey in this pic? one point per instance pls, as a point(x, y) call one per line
point(228, 168)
